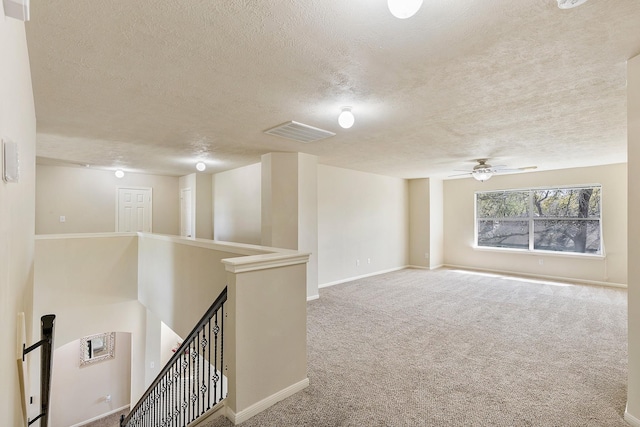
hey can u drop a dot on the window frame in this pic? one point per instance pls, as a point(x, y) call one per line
point(531, 219)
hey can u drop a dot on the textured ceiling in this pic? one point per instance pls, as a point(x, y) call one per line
point(154, 85)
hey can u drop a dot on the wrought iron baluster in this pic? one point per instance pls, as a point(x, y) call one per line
point(209, 367)
point(215, 358)
point(181, 393)
point(222, 367)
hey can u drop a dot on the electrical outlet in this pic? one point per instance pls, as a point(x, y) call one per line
point(152, 365)
point(426, 255)
point(63, 218)
point(357, 263)
point(541, 261)
point(368, 260)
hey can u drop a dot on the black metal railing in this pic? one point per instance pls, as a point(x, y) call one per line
point(192, 382)
point(47, 327)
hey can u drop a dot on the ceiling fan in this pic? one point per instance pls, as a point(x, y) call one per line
point(483, 171)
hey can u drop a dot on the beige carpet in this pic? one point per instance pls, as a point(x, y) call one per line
point(112, 420)
point(447, 348)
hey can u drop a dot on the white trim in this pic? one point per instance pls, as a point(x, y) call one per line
point(84, 235)
point(635, 422)
point(218, 410)
point(265, 403)
point(98, 417)
point(313, 297)
point(540, 276)
point(422, 267)
point(262, 262)
point(538, 252)
point(219, 245)
point(350, 279)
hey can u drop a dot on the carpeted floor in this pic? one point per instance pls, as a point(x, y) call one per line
point(112, 420)
point(451, 348)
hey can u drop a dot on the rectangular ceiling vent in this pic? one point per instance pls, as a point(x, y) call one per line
point(299, 132)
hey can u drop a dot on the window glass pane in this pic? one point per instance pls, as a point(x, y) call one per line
point(503, 234)
point(503, 204)
point(567, 202)
point(581, 236)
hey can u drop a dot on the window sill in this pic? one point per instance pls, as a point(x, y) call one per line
point(540, 253)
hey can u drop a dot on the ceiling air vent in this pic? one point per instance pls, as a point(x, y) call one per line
point(299, 132)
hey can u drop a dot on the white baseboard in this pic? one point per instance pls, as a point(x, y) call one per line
point(350, 279)
point(635, 422)
point(96, 418)
point(422, 267)
point(538, 276)
point(312, 297)
point(260, 406)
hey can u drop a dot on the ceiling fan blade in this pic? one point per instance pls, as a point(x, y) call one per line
point(459, 174)
point(507, 170)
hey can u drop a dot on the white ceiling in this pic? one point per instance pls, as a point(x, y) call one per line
point(154, 85)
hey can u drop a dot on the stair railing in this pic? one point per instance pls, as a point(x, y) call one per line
point(47, 328)
point(192, 381)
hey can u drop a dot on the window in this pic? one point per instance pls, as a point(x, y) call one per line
point(547, 219)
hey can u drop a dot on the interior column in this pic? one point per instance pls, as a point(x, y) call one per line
point(632, 414)
point(290, 207)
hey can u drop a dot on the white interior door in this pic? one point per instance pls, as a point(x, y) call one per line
point(186, 213)
point(134, 207)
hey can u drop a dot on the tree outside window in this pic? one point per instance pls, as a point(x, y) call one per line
point(551, 219)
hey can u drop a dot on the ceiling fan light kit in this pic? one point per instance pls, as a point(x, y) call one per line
point(482, 174)
point(403, 9)
point(570, 4)
point(484, 171)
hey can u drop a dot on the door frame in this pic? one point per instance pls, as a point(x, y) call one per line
point(191, 209)
point(131, 187)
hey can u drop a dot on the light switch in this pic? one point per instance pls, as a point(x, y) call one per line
point(11, 163)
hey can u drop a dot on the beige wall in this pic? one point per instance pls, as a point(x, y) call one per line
point(204, 206)
point(237, 205)
point(267, 337)
point(459, 226)
point(90, 283)
point(420, 225)
point(361, 217)
point(79, 394)
point(426, 223)
point(87, 199)
point(167, 268)
point(436, 219)
point(633, 146)
point(17, 123)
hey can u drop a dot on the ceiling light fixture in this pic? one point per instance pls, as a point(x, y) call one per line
point(403, 9)
point(482, 174)
point(119, 173)
point(569, 4)
point(346, 118)
point(201, 166)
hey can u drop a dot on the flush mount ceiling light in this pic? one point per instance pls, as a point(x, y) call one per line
point(201, 166)
point(403, 9)
point(346, 118)
point(569, 4)
point(119, 173)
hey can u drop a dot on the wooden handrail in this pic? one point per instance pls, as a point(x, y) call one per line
point(47, 326)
